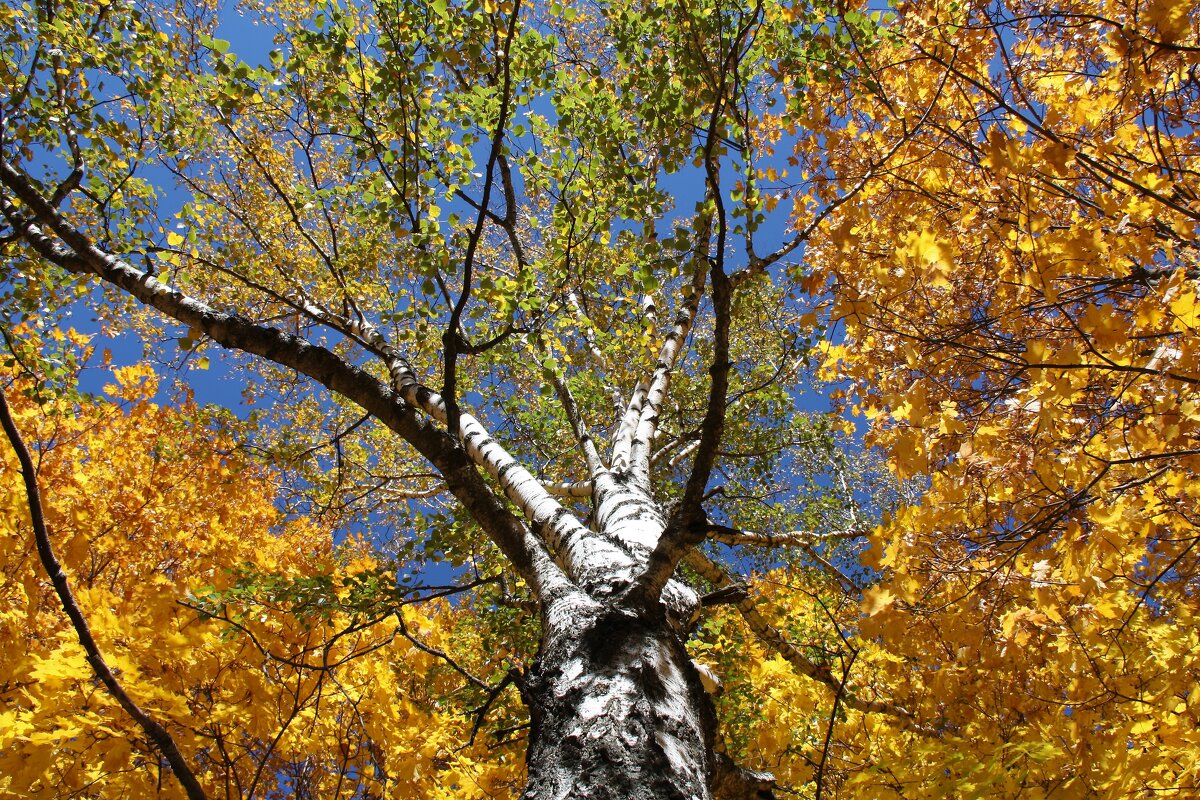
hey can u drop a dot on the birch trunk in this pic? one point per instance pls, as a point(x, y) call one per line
point(617, 709)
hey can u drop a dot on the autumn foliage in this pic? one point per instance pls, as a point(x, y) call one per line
point(1017, 290)
point(277, 659)
point(974, 225)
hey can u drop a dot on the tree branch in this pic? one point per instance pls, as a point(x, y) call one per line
point(733, 782)
point(770, 636)
point(733, 536)
point(154, 730)
point(397, 409)
point(685, 528)
point(452, 337)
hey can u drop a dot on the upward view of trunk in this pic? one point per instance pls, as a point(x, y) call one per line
point(876, 323)
point(618, 710)
point(617, 707)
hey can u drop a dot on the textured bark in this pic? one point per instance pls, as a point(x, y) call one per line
point(617, 709)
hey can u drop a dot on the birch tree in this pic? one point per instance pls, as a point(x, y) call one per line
point(535, 289)
point(519, 238)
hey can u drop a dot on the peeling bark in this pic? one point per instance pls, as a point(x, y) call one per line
point(617, 709)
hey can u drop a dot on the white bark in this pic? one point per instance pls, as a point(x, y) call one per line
point(618, 711)
point(589, 336)
point(642, 434)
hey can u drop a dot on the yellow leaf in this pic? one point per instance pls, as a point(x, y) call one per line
point(1145, 726)
point(1183, 306)
point(1169, 18)
point(876, 600)
point(924, 249)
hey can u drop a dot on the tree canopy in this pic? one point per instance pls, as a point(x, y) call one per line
point(537, 306)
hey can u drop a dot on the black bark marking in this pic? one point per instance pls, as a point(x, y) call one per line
point(613, 513)
point(618, 712)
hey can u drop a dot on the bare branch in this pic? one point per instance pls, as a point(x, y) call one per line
point(578, 489)
point(737, 536)
point(582, 435)
point(589, 336)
